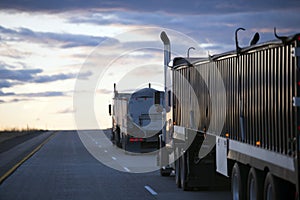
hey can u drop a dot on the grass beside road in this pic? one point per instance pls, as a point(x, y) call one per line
point(12, 133)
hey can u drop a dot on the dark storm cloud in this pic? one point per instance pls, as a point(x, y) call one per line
point(217, 28)
point(169, 6)
point(63, 40)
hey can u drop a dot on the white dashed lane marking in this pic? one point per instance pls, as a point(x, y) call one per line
point(149, 189)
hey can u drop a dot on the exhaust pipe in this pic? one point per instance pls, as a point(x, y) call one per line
point(167, 58)
point(167, 55)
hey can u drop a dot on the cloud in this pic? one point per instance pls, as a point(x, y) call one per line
point(34, 94)
point(104, 91)
point(55, 77)
point(9, 76)
point(6, 93)
point(66, 111)
point(5, 84)
point(217, 27)
point(63, 40)
point(43, 94)
point(15, 100)
point(168, 6)
point(18, 75)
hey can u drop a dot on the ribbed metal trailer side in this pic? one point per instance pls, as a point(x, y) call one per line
point(267, 87)
point(260, 84)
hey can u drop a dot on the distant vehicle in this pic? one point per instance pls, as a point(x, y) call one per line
point(137, 119)
point(259, 140)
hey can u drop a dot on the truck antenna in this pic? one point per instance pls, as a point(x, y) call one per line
point(115, 86)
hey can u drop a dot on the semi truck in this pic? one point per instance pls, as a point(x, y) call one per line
point(137, 119)
point(234, 115)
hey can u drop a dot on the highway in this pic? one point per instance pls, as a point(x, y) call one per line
point(63, 168)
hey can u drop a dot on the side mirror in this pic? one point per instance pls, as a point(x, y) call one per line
point(157, 98)
point(109, 109)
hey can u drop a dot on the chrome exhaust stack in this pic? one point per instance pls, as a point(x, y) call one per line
point(167, 56)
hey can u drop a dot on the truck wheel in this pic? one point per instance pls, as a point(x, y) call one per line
point(124, 142)
point(165, 172)
point(112, 137)
point(177, 172)
point(118, 139)
point(162, 159)
point(184, 172)
point(238, 177)
point(270, 188)
point(254, 185)
point(276, 188)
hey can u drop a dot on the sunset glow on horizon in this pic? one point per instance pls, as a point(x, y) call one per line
point(47, 47)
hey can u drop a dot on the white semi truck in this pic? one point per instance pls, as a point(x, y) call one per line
point(137, 119)
point(235, 115)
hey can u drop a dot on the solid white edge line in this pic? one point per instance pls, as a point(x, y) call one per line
point(149, 189)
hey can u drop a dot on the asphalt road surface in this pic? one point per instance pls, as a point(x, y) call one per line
point(65, 169)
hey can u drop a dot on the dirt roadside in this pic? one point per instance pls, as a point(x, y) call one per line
point(9, 140)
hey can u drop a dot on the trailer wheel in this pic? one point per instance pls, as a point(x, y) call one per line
point(270, 188)
point(238, 177)
point(112, 137)
point(177, 172)
point(254, 185)
point(165, 172)
point(118, 138)
point(276, 188)
point(162, 156)
point(124, 142)
point(184, 172)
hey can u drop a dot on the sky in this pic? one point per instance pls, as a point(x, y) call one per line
point(60, 58)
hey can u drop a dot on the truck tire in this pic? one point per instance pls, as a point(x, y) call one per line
point(276, 189)
point(254, 185)
point(238, 180)
point(112, 137)
point(184, 172)
point(164, 170)
point(177, 172)
point(270, 188)
point(124, 142)
point(116, 137)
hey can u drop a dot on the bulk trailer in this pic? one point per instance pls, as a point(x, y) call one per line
point(235, 114)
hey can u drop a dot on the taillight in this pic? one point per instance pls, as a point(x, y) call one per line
point(136, 139)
